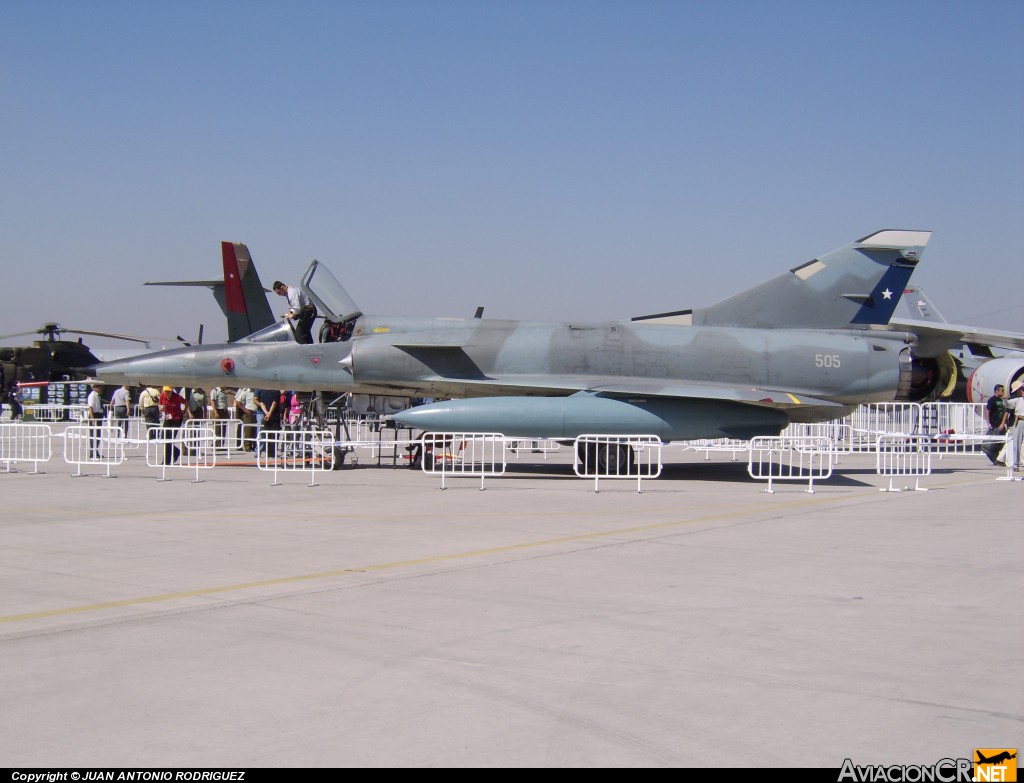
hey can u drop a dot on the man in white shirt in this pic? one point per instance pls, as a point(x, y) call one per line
point(94, 412)
point(120, 401)
point(1015, 435)
point(300, 309)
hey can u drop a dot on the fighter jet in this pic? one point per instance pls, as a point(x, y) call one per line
point(808, 345)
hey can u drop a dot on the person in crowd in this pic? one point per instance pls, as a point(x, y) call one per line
point(245, 411)
point(1013, 425)
point(95, 413)
point(172, 405)
point(196, 402)
point(149, 402)
point(270, 402)
point(120, 403)
point(994, 409)
point(219, 411)
point(14, 399)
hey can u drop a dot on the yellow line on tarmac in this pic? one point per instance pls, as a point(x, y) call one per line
point(285, 580)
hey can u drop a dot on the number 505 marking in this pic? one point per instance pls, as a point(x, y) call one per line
point(826, 360)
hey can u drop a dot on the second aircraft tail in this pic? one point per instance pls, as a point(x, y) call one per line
point(241, 295)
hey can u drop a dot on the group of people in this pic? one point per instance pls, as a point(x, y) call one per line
point(169, 408)
point(266, 409)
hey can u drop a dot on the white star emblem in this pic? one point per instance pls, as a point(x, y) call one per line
point(887, 294)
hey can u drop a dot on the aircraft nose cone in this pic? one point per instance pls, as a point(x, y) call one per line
point(109, 372)
point(171, 368)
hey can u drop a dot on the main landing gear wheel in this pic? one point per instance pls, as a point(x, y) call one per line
point(608, 458)
point(338, 455)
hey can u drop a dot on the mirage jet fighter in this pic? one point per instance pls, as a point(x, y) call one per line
point(808, 345)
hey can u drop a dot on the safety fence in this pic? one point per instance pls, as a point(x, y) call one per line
point(181, 448)
point(869, 422)
point(47, 412)
point(779, 458)
point(228, 433)
point(96, 444)
point(24, 442)
point(839, 433)
point(904, 457)
point(717, 445)
point(950, 426)
point(461, 455)
point(617, 457)
point(362, 427)
point(203, 443)
point(296, 451)
point(954, 427)
point(133, 430)
point(542, 446)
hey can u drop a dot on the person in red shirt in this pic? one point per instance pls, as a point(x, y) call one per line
point(172, 405)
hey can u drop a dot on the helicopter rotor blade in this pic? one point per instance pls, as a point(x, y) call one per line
point(129, 337)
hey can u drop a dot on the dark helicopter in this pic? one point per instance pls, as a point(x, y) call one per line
point(51, 358)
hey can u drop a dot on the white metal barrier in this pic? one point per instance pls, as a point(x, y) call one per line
point(617, 457)
point(543, 446)
point(883, 418)
point(55, 412)
point(290, 451)
point(24, 442)
point(905, 456)
point(732, 446)
point(181, 448)
point(461, 454)
point(246, 436)
point(133, 431)
point(955, 427)
point(94, 444)
point(778, 458)
point(227, 432)
point(362, 427)
point(839, 432)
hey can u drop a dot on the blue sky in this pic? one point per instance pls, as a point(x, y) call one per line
point(548, 160)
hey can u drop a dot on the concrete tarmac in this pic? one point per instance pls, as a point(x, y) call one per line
point(375, 620)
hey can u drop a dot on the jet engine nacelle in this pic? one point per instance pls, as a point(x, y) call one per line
point(932, 378)
point(1004, 370)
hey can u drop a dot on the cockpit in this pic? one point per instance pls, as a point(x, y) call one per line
point(282, 332)
point(335, 307)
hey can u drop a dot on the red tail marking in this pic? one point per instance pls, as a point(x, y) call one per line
point(234, 299)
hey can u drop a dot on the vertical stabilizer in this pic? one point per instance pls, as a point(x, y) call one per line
point(242, 297)
point(920, 307)
point(240, 294)
point(859, 284)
